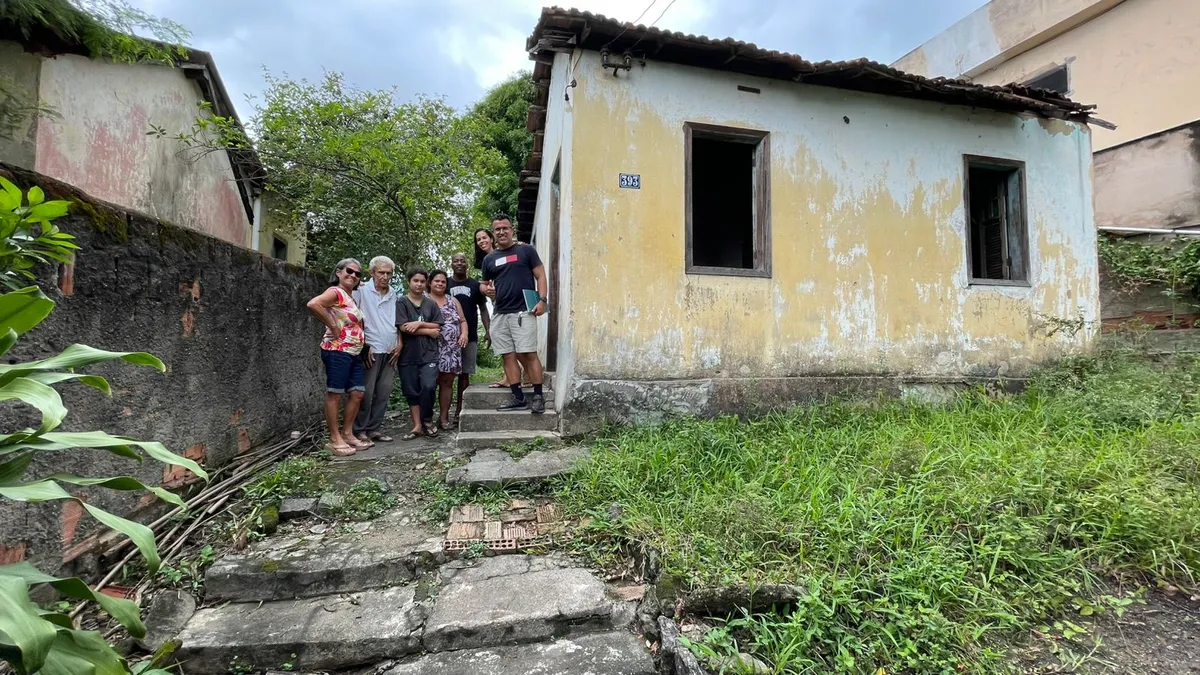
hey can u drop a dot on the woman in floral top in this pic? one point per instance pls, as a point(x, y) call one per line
point(340, 349)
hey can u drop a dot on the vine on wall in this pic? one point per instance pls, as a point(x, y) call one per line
point(1135, 265)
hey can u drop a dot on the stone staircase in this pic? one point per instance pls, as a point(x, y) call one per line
point(481, 426)
point(394, 597)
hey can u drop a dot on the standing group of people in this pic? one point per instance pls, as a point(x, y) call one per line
point(428, 336)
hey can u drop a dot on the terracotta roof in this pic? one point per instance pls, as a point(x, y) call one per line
point(565, 29)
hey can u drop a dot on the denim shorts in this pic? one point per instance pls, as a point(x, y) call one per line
point(343, 372)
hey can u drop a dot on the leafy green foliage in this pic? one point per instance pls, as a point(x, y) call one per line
point(922, 537)
point(442, 497)
point(1135, 264)
point(33, 639)
point(28, 235)
point(295, 477)
point(503, 112)
point(104, 28)
point(366, 499)
point(365, 175)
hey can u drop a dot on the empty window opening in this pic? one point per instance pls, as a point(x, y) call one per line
point(1055, 80)
point(727, 194)
point(996, 220)
point(279, 248)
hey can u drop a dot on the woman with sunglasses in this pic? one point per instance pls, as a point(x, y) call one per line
point(340, 348)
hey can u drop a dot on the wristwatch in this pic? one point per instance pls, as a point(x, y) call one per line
point(544, 299)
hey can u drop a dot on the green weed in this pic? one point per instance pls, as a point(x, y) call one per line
point(366, 499)
point(442, 497)
point(296, 477)
point(925, 538)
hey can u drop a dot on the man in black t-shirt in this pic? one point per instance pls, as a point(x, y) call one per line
point(474, 304)
point(508, 272)
point(419, 322)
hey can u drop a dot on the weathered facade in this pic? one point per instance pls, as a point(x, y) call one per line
point(1136, 59)
point(241, 356)
point(856, 272)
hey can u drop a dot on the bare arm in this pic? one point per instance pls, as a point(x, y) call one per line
point(320, 307)
point(484, 316)
point(539, 275)
point(430, 332)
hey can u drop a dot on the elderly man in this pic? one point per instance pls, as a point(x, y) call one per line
point(377, 300)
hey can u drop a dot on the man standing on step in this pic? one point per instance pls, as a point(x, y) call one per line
point(474, 305)
point(509, 271)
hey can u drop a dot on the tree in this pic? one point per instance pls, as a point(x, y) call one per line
point(502, 113)
point(34, 640)
point(363, 174)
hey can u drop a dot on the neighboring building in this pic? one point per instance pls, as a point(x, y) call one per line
point(725, 225)
point(1138, 60)
point(98, 140)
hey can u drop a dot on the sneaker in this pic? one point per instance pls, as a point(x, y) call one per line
point(514, 403)
point(539, 404)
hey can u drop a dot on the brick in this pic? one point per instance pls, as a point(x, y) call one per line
point(10, 555)
point(177, 476)
point(243, 441)
point(460, 531)
point(548, 513)
point(467, 513)
point(72, 511)
point(492, 530)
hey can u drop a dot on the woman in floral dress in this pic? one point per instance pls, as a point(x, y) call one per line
point(454, 338)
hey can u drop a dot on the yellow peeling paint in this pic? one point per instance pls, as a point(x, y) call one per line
point(874, 284)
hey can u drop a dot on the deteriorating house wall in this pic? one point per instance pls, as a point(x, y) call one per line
point(240, 349)
point(1151, 182)
point(19, 74)
point(868, 242)
point(101, 145)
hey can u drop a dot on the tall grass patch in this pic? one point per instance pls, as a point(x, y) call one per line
point(925, 536)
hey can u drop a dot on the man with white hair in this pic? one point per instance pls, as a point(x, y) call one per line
point(377, 300)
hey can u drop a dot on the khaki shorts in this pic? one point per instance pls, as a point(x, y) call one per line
point(514, 333)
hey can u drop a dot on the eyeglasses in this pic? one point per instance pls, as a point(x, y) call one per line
point(357, 273)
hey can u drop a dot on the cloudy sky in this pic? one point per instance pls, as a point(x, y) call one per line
point(458, 48)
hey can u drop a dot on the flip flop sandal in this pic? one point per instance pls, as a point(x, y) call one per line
point(449, 425)
point(362, 445)
point(410, 436)
point(431, 431)
point(340, 450)
point(497, 385)
point(382, 438)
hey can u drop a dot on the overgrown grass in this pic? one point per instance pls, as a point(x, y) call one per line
point(366, 499)
point(925, 537)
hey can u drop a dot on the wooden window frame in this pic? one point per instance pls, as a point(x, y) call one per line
point(761, 218)
point(1022, 228)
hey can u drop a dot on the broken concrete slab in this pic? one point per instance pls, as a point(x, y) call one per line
point(519, 599)
point(486, 398)
point(323, 633)
point(611, 653)
point(297, 507)
point(479, 440)
point(168, 613)
point(517, 420)
point(497, 468)
point(393, 551)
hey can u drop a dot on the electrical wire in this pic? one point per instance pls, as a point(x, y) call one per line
point(633, 23)
point(660, 16)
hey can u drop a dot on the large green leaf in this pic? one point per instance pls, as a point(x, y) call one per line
point(22, 624)
point(124, 611)
point(48, 490)
point(125, 483)
point(10, 195)
point(12, 469)
point(38, 395)
point(48, 211)
point(57, 440)
point(7, 340)
point(79, 652)
point(76, 356)
point(23, 309)
point(93, 381)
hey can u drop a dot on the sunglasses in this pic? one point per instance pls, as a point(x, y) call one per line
point(356, 273)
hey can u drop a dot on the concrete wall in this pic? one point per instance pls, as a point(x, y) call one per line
point(240, 348)
point(868, 235)
point(100, 144)
point(19, 76)
point(1137, 61)
point(1151, 182)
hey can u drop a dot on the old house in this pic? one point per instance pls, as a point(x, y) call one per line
point(96, 138)
point(1138, 61)
point(725, 225)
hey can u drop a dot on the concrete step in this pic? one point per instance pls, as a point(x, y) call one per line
point(480, 440)
point(518, 599)
point(480, 397)
point(328, 632)
point(393, 551)
point(612, 653)
point(508, 420)
point(491, 467)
